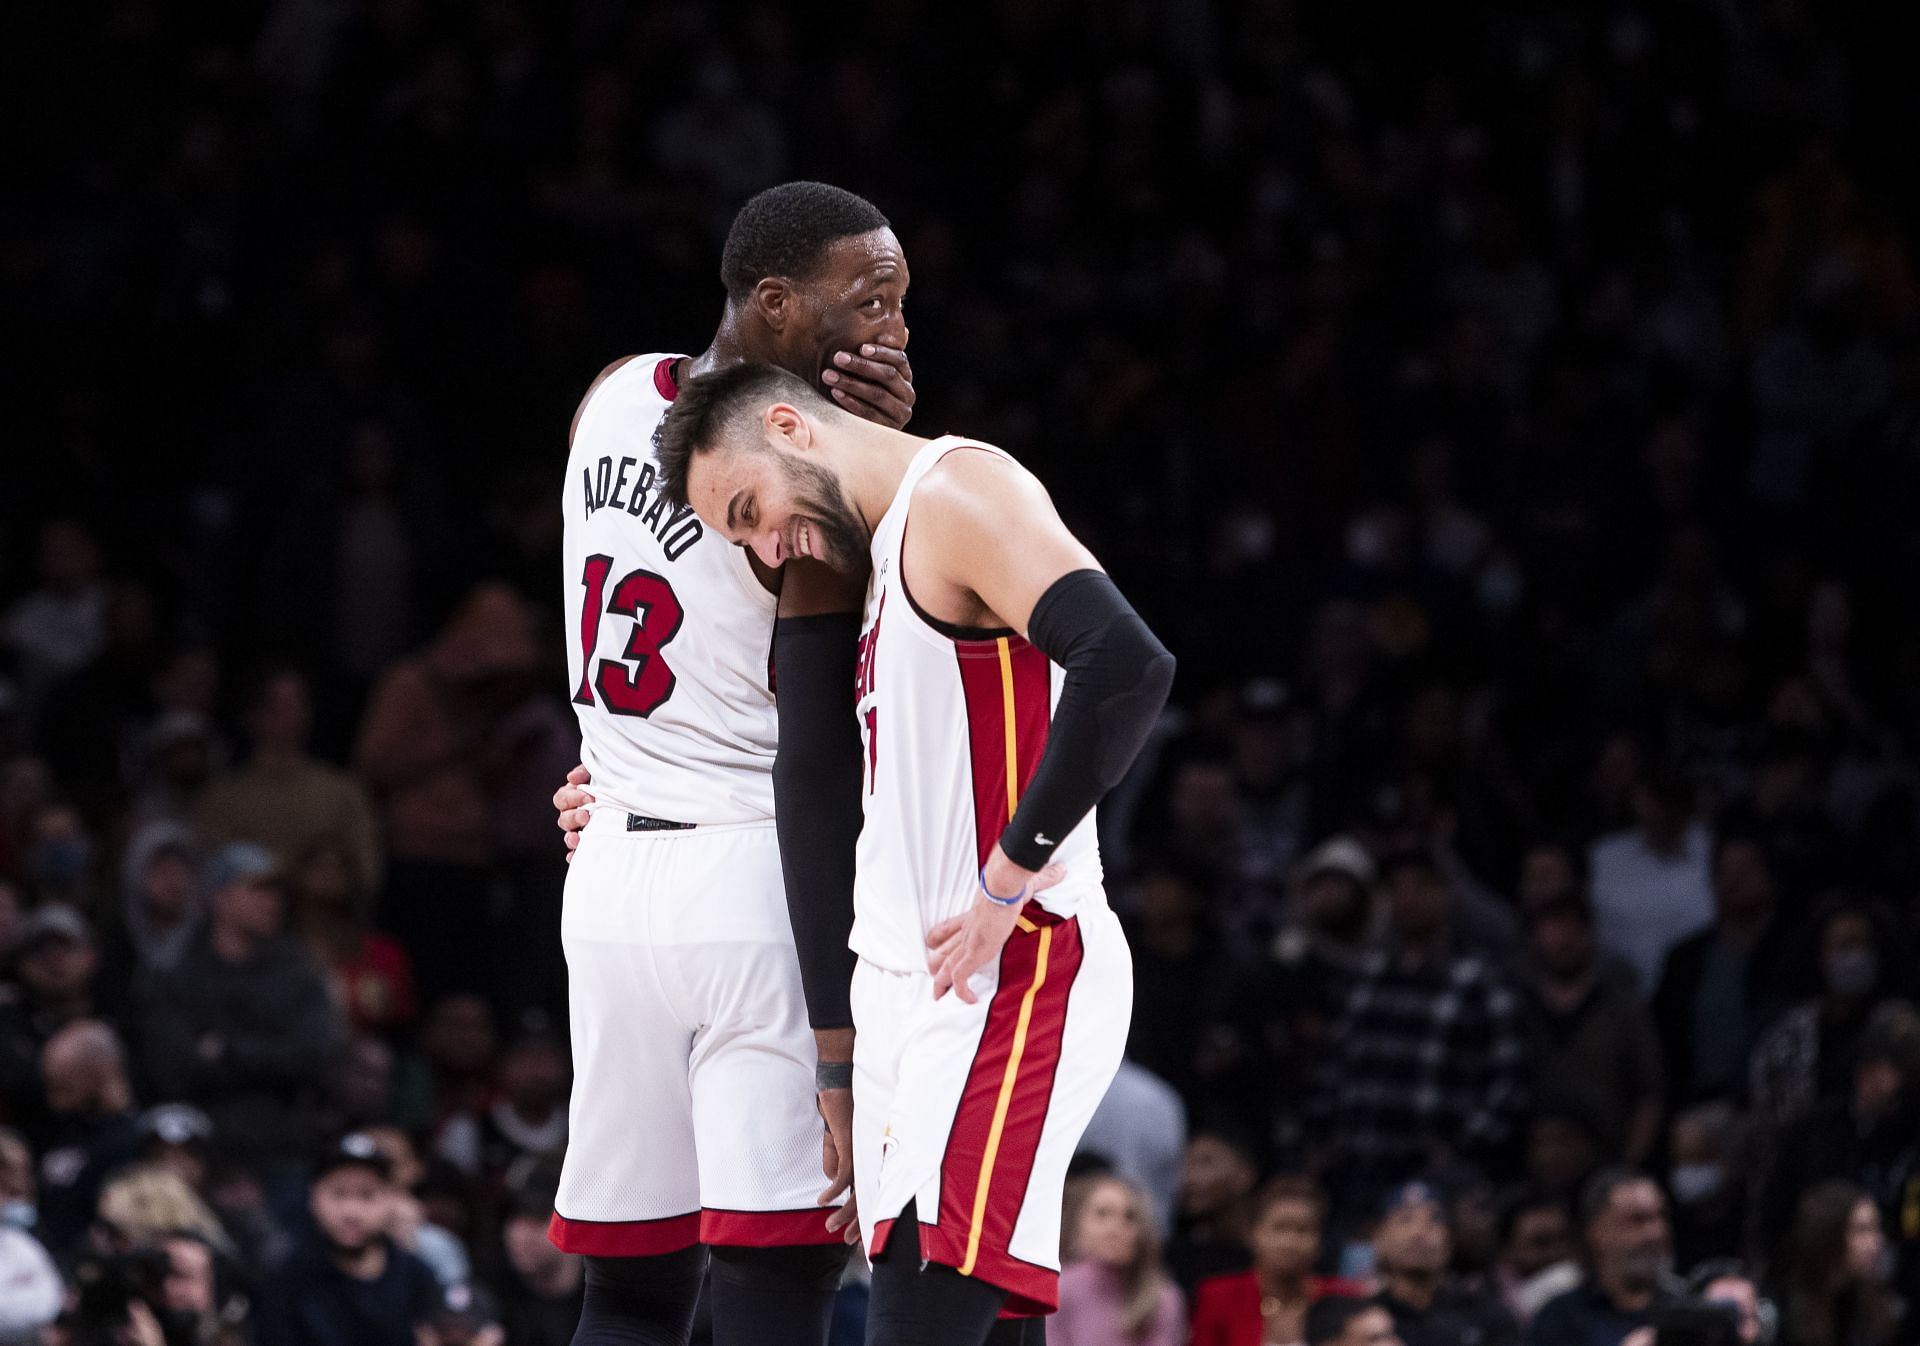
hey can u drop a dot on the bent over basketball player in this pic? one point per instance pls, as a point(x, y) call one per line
point(1003, 686)
point(694, 1116)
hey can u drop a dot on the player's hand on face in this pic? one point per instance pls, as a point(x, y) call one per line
point(570, 801)
point(836, 1161)
point(875, 383)
point(960, 947)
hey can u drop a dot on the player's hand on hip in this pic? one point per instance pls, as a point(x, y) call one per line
point(875, 383)
point(836, 1161)
point(960, 947)
point(570, 801)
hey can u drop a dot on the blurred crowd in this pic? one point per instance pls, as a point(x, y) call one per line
point(1509, 413)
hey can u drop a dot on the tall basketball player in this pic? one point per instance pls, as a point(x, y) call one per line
point(696, 1108)
point(1004, 685)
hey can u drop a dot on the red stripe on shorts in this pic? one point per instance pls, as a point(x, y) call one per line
point(766, 1228)
point(981, 1193)
point(624, 1238)
point(996, 675)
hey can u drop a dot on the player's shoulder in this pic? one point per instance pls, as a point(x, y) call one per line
point(649, 376)
point(974, 482)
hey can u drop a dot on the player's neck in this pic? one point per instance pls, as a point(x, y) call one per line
point(873, 466)
point(737, 341)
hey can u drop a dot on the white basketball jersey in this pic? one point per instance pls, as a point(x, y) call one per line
point(671, 633)
point(953, 728)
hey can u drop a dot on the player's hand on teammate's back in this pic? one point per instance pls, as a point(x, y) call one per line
point(960, 947)
point(836, 1161)
point(875, 383)
point(571, 802)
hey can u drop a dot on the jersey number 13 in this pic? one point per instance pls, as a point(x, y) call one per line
point(647, 600)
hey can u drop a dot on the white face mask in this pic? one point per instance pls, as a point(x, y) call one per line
point(19, 1214)
point(1692, 1183)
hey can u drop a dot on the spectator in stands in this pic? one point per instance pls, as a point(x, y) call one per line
point(1707, 1181)
point(1113, 1287)
point(369, 972)
point(143, 1205)
point(528, 1116)
point(35, 1295)
point(1806, 1057)
point(1215, 1210)
point(1413, 1255)
point(284, 798)
point(1592, 1036)
point(58, 628)
point(1724, 1283)
point(460, 1043)
point(1650, 883)
point(1723, 983)
point(243, 1026)
point(408, 1224)
point(200, 1300)
point(161, 898)
point(94, 1128)
point(1836, 1290)
point(13, 919)
point(1270, 1302)
point(1871, 1137)
point(1140, 1128)
point(349, 1286)
point(1629, 1248)
point(1418, 1000)
point(1178, 959)
point(56, 970)
point(1348, 1320)
point(1537, 1260)
point(541, 1292)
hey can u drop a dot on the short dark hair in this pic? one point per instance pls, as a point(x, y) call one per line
point(1598, 1192)
point(1524, 1201)
point(1329, 1317)
point(786, 231)
point(706, 407)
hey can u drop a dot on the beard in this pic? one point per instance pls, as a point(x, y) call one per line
point(839, 539)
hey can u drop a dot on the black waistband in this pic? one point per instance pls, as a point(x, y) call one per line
point(640, 823)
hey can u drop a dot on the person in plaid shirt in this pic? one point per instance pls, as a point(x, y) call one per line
point(1428, 1059)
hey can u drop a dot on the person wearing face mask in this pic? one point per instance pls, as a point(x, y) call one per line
point(1413, 1248)
point(1623, 1219)
point(56, 971)
point(1805, 1058)
point(1706, 1183)
point(30, 1289)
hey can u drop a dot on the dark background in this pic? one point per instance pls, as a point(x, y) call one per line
point(1500, 409)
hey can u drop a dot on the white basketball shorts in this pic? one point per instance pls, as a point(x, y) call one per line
point(974, 1111)
point(693, 1116)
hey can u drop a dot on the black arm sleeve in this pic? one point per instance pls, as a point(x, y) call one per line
point(1118, 676)
point(816, 800)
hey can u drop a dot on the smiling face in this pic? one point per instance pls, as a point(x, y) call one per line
point(768, 490)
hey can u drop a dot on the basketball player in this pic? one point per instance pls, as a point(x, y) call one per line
point(1004, 685)
point(695, 1117)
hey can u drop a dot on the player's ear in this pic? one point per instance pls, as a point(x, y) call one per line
point(773, 299)
point(787, 427)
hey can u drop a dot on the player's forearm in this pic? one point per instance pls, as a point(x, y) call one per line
point(816, 803)
point(1118, 678)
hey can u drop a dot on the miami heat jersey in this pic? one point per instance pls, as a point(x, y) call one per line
point(953, 730)
point(671, 631)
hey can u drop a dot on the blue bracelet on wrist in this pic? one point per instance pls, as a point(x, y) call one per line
point(1013, 901)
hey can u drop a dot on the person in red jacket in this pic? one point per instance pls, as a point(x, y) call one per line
point(1268, 1305)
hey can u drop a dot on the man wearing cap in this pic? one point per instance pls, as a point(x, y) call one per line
point(243, 1025)
point(1412, 1254)
point(349, 1286)
point(56, 968)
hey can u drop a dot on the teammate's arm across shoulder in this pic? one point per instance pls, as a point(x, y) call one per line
point(990, 531)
